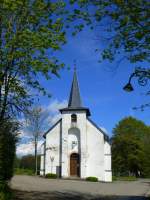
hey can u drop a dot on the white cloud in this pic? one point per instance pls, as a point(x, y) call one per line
point(27, 148)
point(55, 105)
point(53, 109)
point(52, 113)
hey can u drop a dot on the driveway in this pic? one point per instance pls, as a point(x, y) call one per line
point(52, 189)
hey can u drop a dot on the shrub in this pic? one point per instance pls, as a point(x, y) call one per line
point(50, 175)
point(20, 171)
point(92, 179)
point(5, 192)
point(8, 139)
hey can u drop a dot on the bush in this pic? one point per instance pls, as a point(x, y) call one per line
point(5, 192)
point(50, 175)
point(8, 139)
point(19, 171)
point(92, 179)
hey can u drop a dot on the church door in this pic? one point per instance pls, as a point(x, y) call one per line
point(74, 164)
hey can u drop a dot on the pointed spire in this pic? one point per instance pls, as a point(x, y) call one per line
point(75, 99)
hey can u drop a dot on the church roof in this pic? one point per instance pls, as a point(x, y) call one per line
point(75, 102)
point(75, 98)
point(106, 137)
point(53, 126)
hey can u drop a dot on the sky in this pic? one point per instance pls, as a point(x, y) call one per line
point(101, 86)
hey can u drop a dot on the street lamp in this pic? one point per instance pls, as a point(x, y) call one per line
point(142, 74)
point(128, 87)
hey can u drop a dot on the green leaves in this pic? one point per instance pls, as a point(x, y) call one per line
point(125, 21)
point(129, 147)
point(29, 31)
point(8, 138)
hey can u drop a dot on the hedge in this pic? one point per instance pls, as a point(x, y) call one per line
point(92, 179)
point(50, 175)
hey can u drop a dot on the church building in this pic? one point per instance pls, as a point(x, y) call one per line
point(75, 146)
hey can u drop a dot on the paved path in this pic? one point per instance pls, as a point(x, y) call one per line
point(37, 187)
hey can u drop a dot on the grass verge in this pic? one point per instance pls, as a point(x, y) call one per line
point(19, 171)
point(124, 178)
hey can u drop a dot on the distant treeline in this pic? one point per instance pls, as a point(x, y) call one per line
point(26, 162)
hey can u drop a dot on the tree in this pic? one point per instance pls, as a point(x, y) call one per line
point(28, 162)
point(129, 147)
point(9, 131)
point(125, 25)
point(30, 31)
point(36, 120)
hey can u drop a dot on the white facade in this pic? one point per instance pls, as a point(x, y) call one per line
point(76, 148)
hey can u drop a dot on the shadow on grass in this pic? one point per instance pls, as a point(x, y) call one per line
point(23, 195)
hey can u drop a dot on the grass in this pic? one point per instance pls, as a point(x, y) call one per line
point(19, 171)
point(124, 178)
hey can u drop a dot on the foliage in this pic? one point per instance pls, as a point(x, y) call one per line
point(21, 171)
point(26, 165)
point(5, 192)
point(30, 31)
point(50, 175)
point(8, 138)
point(130, 149)
point(125, 25)
point(124, 178)
point(92, 179)
point(28, 162)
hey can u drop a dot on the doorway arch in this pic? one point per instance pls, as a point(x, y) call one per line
point(75, 164)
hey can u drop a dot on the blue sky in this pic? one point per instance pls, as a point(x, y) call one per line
point(101, 88)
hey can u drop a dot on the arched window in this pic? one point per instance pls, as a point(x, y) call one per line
point(73, 118)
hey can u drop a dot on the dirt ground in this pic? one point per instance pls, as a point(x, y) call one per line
point(36, 188)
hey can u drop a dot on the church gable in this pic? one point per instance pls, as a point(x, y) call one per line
point(106, 137)
point(52, 128)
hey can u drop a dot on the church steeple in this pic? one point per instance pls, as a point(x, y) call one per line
point(75, 98)
point(74, 103)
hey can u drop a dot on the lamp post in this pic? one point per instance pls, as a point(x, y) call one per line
point(141, 74)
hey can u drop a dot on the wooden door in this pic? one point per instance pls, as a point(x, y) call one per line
point(74, 165)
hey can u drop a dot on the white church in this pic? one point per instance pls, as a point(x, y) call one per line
point(75, 146)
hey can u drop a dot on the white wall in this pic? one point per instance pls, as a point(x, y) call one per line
point(95, 153)
point(42, 160)
point(52, 160)
point(95, 159)
point(107, 154)
point(66, 126)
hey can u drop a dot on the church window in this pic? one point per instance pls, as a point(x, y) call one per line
point(73, 118)
point(74, 143)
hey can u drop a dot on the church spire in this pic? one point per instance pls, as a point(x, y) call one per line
point(75, 103)
point(75, 99)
